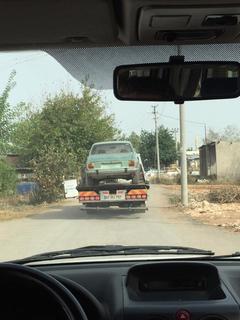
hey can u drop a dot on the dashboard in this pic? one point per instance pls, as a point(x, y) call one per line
point(176, 290)
point(160, 290)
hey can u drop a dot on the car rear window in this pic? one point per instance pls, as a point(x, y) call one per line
point(111, 148)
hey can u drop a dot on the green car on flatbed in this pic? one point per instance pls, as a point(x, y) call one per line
point(111, 161)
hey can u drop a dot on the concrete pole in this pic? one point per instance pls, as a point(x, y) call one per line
point(206, 150)
point(205, 132)
point(175, 130)
point(183, 147)
point(157, 142)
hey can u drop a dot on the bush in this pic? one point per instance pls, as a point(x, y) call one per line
point(8, 179)
point(49, 171)
point(175, 200)
point(191, 179)
point(225, 195)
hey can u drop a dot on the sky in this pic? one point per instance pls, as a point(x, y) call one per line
point(39, 74)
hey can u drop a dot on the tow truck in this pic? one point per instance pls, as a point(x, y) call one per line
point(120, 196)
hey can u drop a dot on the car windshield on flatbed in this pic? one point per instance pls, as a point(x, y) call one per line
point(111, 148)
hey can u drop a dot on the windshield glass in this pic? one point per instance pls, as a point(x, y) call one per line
point(111, 148)
point(76, 163)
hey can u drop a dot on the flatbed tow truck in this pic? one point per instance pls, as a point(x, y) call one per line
point(119, 196)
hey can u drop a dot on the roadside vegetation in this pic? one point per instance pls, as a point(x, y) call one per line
point(54, 138)
point(145, 144)
point(213, 204)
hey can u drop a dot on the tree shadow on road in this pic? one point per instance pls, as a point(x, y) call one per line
point(74, 213)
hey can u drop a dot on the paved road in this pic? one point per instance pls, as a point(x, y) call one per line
point(68, 227)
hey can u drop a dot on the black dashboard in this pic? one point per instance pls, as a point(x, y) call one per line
point(164, 290)
point(155, 291)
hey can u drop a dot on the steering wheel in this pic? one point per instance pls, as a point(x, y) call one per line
point(69, 305)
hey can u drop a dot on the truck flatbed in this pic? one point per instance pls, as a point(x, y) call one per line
point(113, 187)
point(114, 196)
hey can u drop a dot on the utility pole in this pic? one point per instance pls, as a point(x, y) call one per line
point(157, 142)
point(175, 131)
point(206, 151)
point(183, 148)
point(205, 131)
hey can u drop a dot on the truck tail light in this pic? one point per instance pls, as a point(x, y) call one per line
point(131, 163)
point(88, 196)
point(137, 194)
point(90, 165)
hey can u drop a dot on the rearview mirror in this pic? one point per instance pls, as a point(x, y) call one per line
point(177, 81)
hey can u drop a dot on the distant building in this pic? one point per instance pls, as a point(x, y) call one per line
point(220, 160)
point(192, 160)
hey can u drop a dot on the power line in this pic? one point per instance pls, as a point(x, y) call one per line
point(177, 119)
point(27, 59)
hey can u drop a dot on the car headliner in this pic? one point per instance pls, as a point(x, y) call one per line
point(73, 23)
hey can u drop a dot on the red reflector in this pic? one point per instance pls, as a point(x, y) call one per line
point(97, 198)
point(144, 196)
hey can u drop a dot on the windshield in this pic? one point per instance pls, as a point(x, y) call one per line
point(111, 148)
point(76, 163)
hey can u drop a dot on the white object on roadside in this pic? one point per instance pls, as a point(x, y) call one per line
point(70, 188)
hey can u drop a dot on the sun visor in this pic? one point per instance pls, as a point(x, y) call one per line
point(49, 22)
point(97, 64)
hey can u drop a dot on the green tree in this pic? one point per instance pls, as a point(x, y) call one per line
point(230, 133)
point(50, 168)
point(135, 139)
point(66, 120)
point(57, 139)
point(7, 115)
point(8, 178)
point(167, 147)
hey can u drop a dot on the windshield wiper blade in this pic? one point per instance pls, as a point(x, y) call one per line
point(225, 256)
point(109, 250)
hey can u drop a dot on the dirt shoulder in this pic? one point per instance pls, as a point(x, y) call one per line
point(9, 211)
point(225, 215)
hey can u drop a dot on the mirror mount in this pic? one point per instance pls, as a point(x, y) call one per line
point(177, 60)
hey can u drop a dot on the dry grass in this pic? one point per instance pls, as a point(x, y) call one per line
point(16, 207)
point(216, 205)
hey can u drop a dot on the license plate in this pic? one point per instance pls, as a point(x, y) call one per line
point(110, 165)
point(106, 196)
